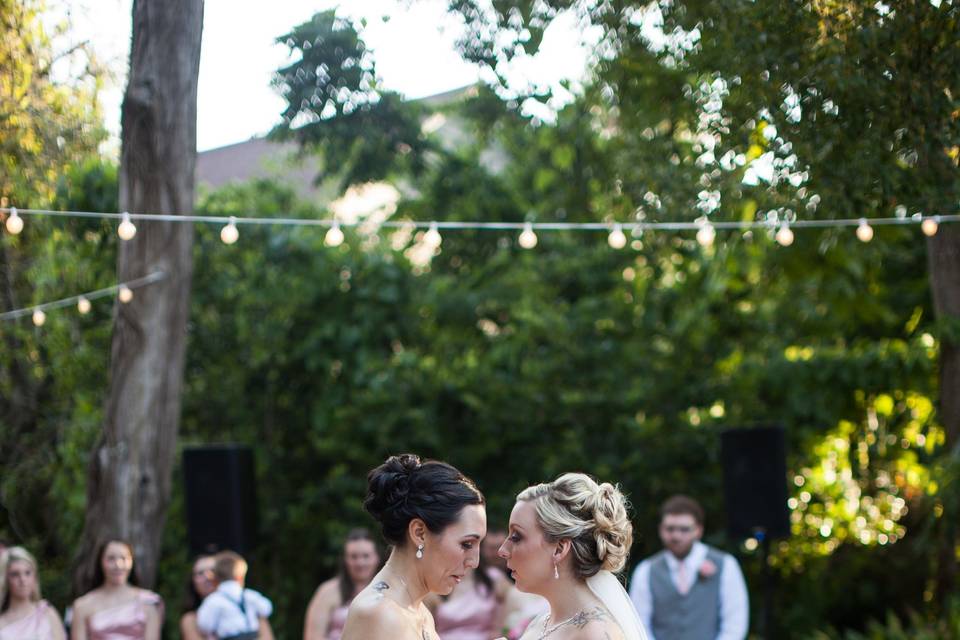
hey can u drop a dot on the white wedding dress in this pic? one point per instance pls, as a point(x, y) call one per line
point(614, 597)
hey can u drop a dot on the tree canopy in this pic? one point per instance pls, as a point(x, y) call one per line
point(516, 365)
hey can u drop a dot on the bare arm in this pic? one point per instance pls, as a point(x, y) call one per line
point(320, 611)
point(188, 627)
point(56, 624)
point(78, 625)
point(266, 631)
point(501, 590)
point(375, 619)
point(153, 623)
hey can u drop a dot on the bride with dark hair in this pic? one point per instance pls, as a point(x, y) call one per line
point(433, 518)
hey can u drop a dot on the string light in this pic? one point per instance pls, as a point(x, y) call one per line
point(82, 300)
point(864, 231)
point(784, 235)
point(930, 225)
point(432, 237)
point(617, 239)
point(528, 237)
point(334, 237)
point(125, 294)
point(634, 228)
point(14, 222)
point(706, 234)
point(229, 234)
point(127, 229)
point(39, 317)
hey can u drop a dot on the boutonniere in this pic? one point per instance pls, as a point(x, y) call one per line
point(707, 570)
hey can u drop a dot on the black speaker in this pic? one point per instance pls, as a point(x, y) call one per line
point(220, 498)
point(755, 482)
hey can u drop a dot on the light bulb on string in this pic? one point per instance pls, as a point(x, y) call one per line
point(14, 222)
point(127, 229)
point(229, 234)
point(929, 226)
point(784, 235)
point(864, 231)
point(528, 238)
point(706, 234)
point(83, 305)
point(617, 239)
point(39, 317)
point(125, 294)
point(432, 237)
point(334, 237)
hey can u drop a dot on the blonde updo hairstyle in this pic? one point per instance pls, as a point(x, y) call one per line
point(11, 555)
point(592, 516)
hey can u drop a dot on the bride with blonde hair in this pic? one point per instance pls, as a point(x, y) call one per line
point(567, 539)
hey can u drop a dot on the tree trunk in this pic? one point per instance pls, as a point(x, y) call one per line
point(130, 469)
point(943, 252)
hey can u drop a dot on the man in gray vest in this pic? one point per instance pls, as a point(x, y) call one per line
point(689, 591)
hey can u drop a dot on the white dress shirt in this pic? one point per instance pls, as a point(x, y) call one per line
point(734, 603)
point(221, 614)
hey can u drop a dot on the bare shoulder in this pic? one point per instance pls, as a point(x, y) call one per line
point(592, 624)
point(371, 614)
point(53, 615)
point(84, 603)
point(327, 591)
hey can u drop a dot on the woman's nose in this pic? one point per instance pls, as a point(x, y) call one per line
point(502, 551)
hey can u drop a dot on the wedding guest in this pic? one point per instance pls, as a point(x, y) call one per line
point(690, 591)
point(23, 614)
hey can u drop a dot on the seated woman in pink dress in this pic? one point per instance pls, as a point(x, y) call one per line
point(116, 609)
point(474, 610)
point(23, 615)
point(327, 612)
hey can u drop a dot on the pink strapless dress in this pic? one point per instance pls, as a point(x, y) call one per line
point(35, 626)
point(124, 622)
point(338, 619)
point(467, 616)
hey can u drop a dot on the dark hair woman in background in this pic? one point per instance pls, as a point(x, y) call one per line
point(327, 612)
point(200, 585)
point(116, 609)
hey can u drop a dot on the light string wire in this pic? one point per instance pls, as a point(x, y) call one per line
point(493, 226)
point(156, 276)
point(704, 226)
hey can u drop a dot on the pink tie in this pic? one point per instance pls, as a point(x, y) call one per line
point(683, 584)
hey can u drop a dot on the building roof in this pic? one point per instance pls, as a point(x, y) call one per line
point(282, 161)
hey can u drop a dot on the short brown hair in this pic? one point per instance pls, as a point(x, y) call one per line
point(227, 564)
point(682, 505)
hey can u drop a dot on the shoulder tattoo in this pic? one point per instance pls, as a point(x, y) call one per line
point(581, 619)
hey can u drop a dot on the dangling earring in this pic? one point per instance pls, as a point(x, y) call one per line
point(419, 551)
point(556, 573)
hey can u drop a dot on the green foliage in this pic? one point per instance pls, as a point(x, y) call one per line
point(516, 365)
point(44, 125)
point(335, 108)
point(49, 409)
point(893, 628)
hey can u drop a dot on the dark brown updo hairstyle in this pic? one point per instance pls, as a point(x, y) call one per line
point(403, 488)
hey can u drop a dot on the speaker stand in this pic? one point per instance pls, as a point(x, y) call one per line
point(767, 579)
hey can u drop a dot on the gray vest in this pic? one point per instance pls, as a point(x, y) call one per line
point(694, 616)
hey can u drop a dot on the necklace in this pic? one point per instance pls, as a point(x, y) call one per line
point(580, 618)
point(549, 631)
